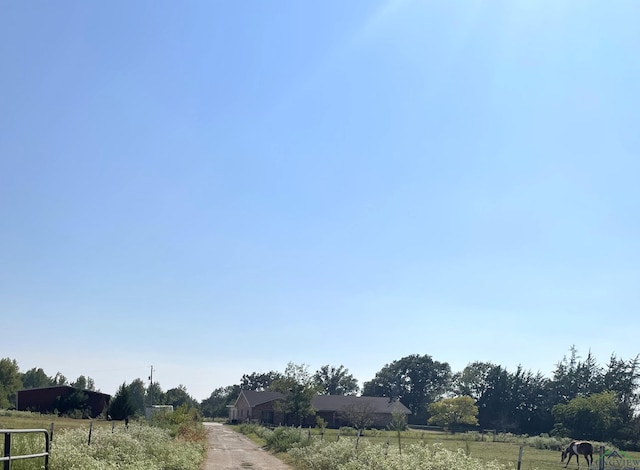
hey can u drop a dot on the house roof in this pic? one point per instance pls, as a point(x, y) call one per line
point(330, 402)
point(257, 398)
point(375, 404)
point(59, 387)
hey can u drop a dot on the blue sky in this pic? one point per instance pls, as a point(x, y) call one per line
point(219, 188)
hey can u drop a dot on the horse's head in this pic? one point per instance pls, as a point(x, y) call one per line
point(564, 455)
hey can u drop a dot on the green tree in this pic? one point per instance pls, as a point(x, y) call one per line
point(473, 380)
point(80, 383)
point(74, 405)
point(179, 396)
point(155, 395)
point(137, 393)
point(259, 381)
point(330, 380)
point(36, 378)
point(299, 389)
point(122, 406)
point(415, 380)
point(59, 379)
point(594, 417)
point(216, 405)
point(454, 412)
point(10, 382)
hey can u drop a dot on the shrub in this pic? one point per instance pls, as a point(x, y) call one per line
point(347, 431)
point(282, 439)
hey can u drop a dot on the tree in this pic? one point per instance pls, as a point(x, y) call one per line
point(335, 381)
point(593, 417)
point(216, 405)
point(495, 404)
point(415, 380)
point(122, 406)
point(359, 415)
point(10, 382)
point(35, 378)
point(59, 379)
point(74, 405)
point(398, 424)
point(137, 394)
point(299, 389)
point(454, 412)
point(259, 381)
point(179, 396)
point(80, 383)
point(155, 395)
point(472, 381)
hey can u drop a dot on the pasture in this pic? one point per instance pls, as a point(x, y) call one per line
point(502, 448)
point(174, 441)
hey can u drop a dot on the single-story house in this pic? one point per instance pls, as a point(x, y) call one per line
point(336, 410)
point(49, 399)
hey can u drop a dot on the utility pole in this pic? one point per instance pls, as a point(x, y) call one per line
point(151, 387)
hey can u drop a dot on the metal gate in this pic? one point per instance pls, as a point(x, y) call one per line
point(8, 458)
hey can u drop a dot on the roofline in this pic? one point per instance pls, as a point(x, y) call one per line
point(62, 386)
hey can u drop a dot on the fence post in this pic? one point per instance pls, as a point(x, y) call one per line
point(520, 457)
point(51, 433)
point(601, 459)
point(7, 450)
point(90, 429)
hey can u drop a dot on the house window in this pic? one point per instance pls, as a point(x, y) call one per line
point(267, 417)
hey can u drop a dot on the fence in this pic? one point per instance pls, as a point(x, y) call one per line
point(8, 458)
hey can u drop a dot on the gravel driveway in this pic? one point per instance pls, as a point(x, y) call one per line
point(230, 450)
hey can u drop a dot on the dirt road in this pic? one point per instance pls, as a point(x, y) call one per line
point(229, 450)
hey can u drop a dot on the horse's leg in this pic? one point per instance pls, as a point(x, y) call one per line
point(568, 460)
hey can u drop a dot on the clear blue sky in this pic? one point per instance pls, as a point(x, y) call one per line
point(219, 188)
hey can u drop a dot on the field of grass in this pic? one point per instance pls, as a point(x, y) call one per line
point(175, 441)
point(26, 420)
point(503, 452)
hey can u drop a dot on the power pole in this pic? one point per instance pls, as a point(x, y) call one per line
point(151, 387)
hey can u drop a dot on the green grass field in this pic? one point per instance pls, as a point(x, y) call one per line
point(503, 452)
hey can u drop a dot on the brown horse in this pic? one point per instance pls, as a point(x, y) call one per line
point(578, 448)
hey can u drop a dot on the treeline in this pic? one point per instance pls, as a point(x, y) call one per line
point(132, 399)
point(581, 399)
point(129, 401)
point(12, 380)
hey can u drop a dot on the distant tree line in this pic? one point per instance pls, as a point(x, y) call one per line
point(581, 399)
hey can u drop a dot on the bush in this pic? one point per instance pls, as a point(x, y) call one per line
point(283, 439)
point(347, 431)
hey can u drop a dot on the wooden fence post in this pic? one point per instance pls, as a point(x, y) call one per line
point(520, 457)
point(90, 429)
point(51, 433)
point(601, 458)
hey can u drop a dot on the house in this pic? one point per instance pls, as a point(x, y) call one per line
point(59, 397)
point(376, 412)
point(336, 410)
point(257, 406)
